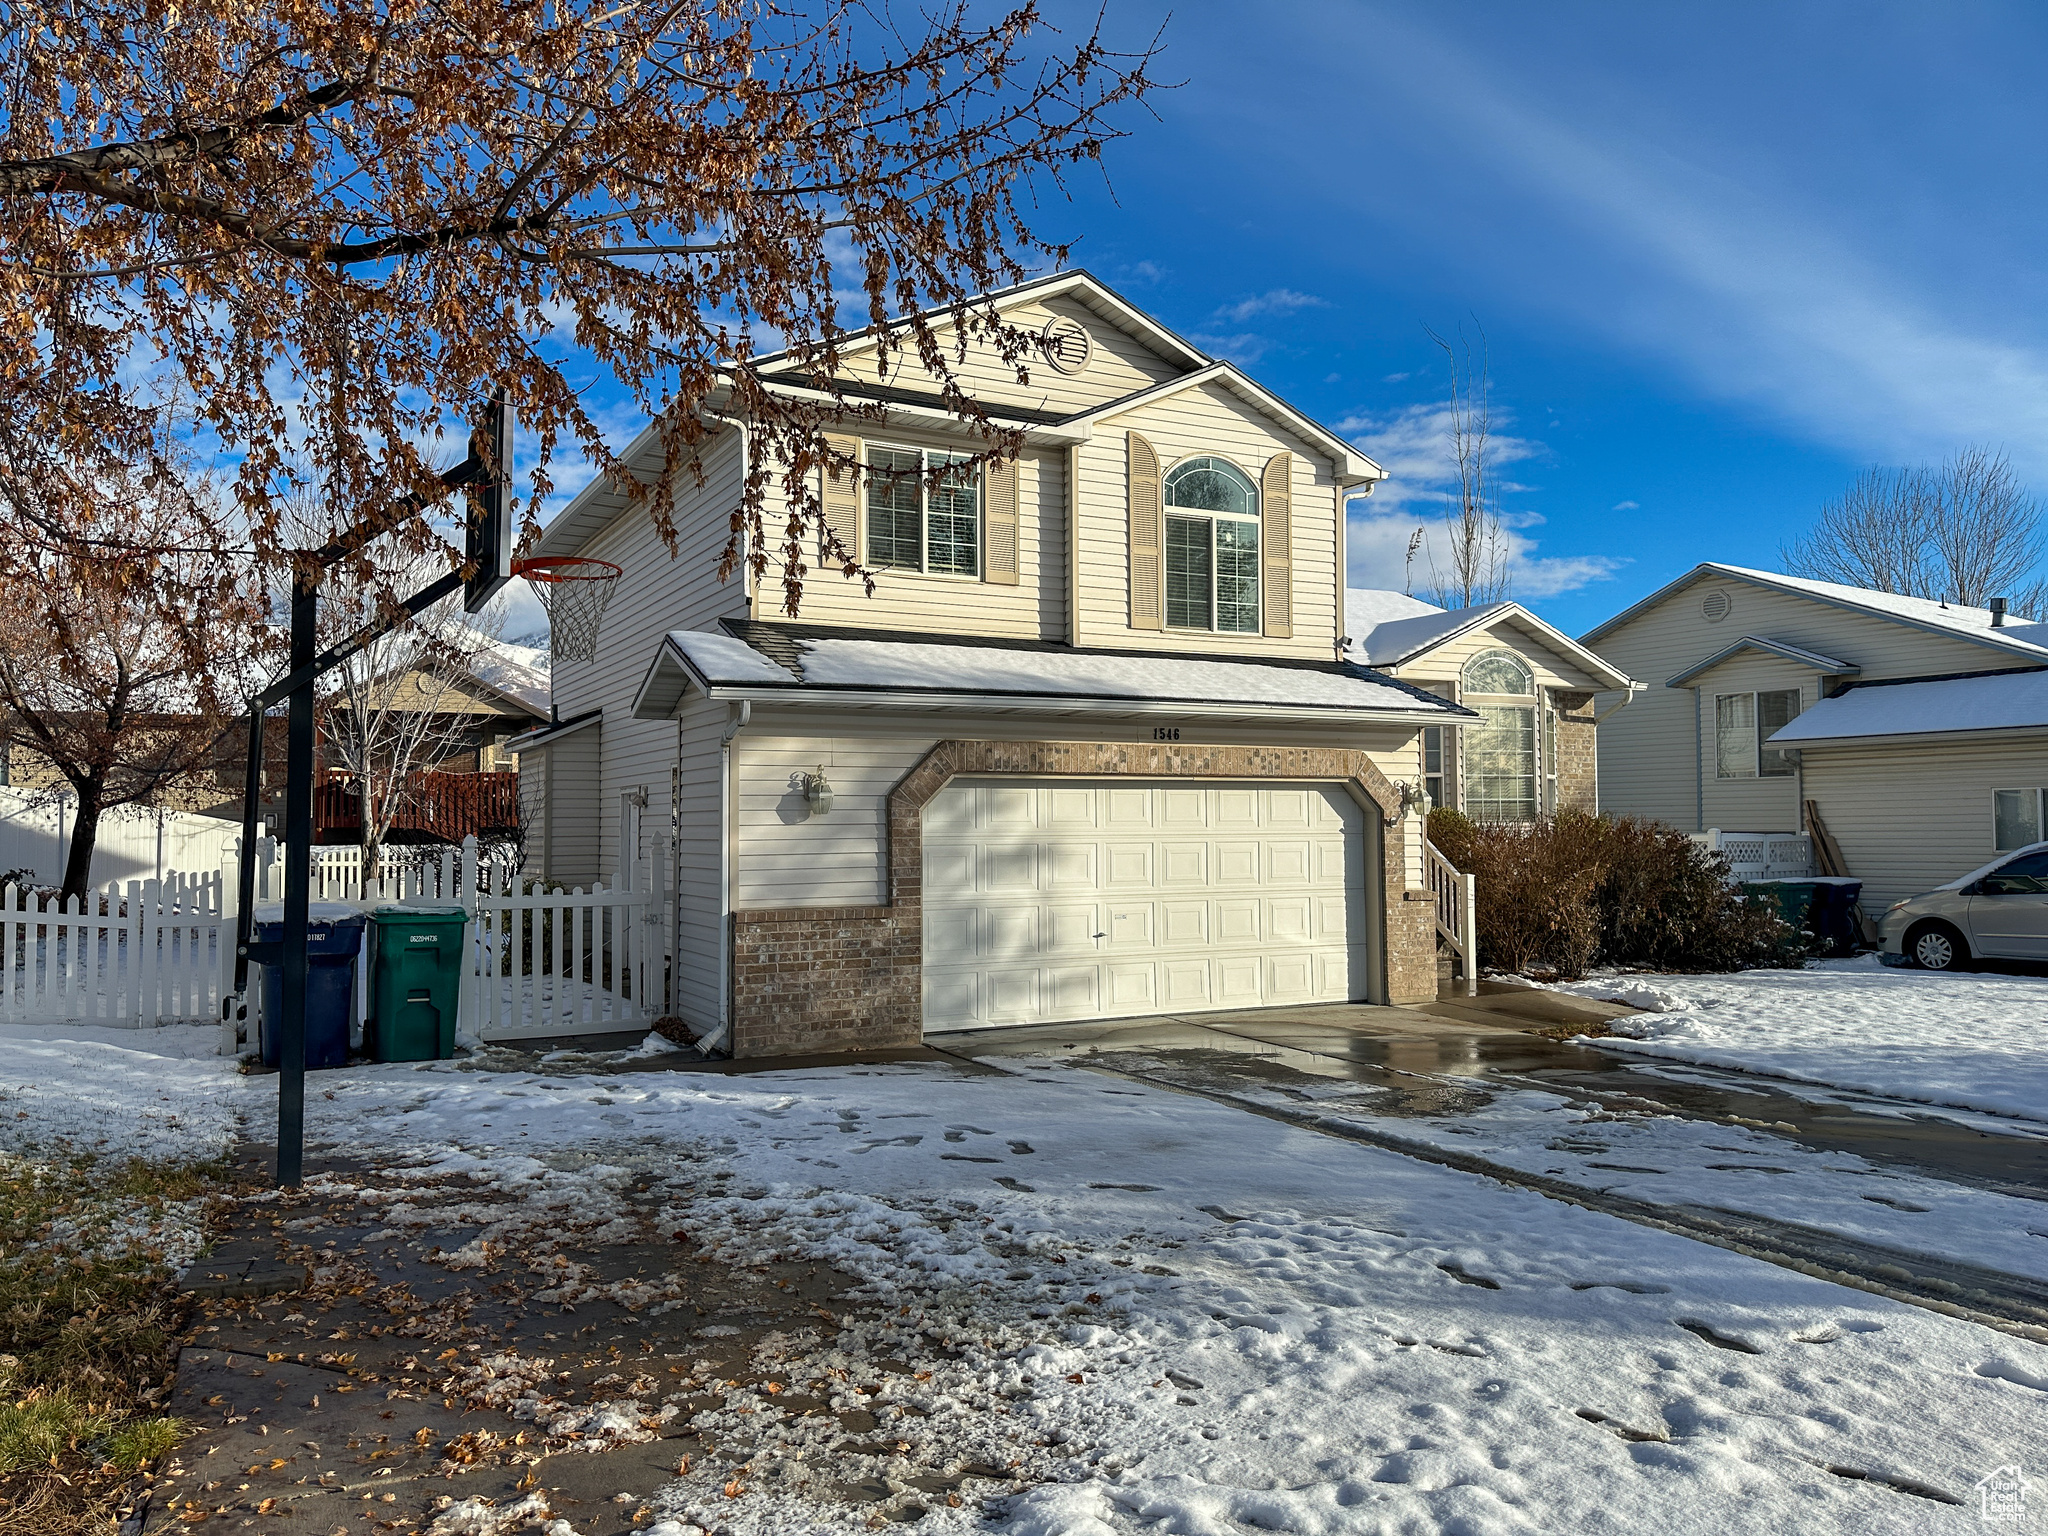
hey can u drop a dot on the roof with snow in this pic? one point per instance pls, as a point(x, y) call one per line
point(518, 673)
point(749, 659)
point(2023, 637)
point(1990, 701)
point(1389, 629)
point(1785, 650)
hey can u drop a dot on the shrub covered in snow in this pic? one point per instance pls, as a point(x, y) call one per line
point(1572, 891)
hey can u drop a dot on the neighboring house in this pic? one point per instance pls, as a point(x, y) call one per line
point(1736, 660)
point(1531, 750)
point(1091, 750)
point(461, 780)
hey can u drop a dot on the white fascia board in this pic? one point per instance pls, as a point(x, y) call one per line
point(1919, 738)
point(933, 415)
point(1020, 703)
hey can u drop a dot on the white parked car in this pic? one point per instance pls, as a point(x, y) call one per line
point(1999, 912)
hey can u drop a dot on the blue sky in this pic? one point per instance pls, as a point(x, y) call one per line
point(1725, 255)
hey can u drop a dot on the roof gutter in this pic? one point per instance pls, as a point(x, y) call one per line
point(738, 718)
point(864, 698)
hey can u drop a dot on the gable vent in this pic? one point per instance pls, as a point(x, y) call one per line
point(1066, 345)
point(1715, 605)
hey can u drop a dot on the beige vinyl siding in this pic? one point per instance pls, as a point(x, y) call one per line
point(697, 1001)
point(1035, 608)
point(533, 809)
point(1121, 365)
point(575, 812)
point(1447, 661)
point(789, 858)
point(1646, 749)
point(657, 593)
point(1205, 419)
point(1911, 816)
point(1759, 804)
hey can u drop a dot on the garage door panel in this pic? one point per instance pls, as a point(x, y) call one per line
point(1237, 920)
point(1071, 929)
point(1008, 809)
point(1132, 988)
point(1063, 900)
point(1012, 933)
point(1184, 922)
point(1287, 862)
point(1071, 866)
point(1127, 865)
point(1009, 869)
point(1288, 920)
point(1013, 995)
point(1185, 983)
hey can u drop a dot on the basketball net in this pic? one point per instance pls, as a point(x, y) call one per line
point(575, 592)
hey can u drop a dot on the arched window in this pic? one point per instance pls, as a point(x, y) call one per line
point(1500, 756)
point(1212, 547)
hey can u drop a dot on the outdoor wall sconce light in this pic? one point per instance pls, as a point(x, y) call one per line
point(818, 792)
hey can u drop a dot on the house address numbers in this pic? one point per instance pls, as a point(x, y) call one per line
point(1166, 733)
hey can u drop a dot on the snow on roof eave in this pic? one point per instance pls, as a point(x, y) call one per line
point(1932, 737)
point(1832, 665)
point(1353, 467)
point(1993, 638)
point(1493, 613)
point(547, 735)
point(1098, 296)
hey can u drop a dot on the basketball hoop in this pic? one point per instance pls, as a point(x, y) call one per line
point(574, 591)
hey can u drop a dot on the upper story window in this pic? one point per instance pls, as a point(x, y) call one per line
point(1500, 768)
point(1212, 547)
point(913, 526)
point(1743, 722)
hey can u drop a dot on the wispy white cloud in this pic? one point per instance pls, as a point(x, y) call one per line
point(1410, 444)
point(1274, 301)
point(1760, 298)
point(1627, 506)
point(1242, 347)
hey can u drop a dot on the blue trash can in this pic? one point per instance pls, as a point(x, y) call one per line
point(334, 937)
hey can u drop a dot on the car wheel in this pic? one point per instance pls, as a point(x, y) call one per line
point(1936, 947)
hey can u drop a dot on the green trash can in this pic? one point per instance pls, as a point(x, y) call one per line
point(416, 955)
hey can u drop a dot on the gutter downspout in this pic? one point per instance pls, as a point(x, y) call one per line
point(1699, 767)
point(1073, 472)
point(737, 720)
point(1613, 709)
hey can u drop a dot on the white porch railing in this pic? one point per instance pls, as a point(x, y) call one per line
point(1761, 855)
point(1456, 899)
point(152, 954)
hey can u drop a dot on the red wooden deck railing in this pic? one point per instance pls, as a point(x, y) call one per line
point(446, 806)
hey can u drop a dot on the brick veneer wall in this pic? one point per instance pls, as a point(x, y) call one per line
point(1578, 762)
point(819, 979)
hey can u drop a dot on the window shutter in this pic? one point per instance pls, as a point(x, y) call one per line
point(1276, 514)
point(842, 495)
point(1148, 537)
point(999, 517)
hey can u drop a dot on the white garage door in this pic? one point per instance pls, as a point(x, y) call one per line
point(1083, 899)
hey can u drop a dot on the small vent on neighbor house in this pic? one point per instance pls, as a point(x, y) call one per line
point(1715, 606)
point(1066, 345)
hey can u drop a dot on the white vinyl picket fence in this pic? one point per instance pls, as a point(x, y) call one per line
point(147, 954)
point(542, 962)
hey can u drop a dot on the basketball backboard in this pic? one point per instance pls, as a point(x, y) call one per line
point(491, 534)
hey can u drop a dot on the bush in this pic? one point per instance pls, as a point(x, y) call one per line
point(1572, 891)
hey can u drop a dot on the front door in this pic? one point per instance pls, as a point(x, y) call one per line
point(2009, 911)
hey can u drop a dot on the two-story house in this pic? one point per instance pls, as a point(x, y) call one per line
point(1090, 750)
point(1747, 721)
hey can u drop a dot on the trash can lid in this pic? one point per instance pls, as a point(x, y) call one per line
point(316, 912)
point(412, 911)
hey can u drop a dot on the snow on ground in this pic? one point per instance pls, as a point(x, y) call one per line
point(1208, 1321)
point(1970, 1039)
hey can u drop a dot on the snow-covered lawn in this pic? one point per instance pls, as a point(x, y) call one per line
point(1973, 1039)
point(1201, 1321)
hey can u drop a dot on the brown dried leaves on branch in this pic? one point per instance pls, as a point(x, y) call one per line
point(336, 225)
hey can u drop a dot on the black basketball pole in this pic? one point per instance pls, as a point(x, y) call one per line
point(298, 891)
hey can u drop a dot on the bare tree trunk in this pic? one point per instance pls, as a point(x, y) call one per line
point(85, 836)
point(373, 845)
point(1477, 543)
